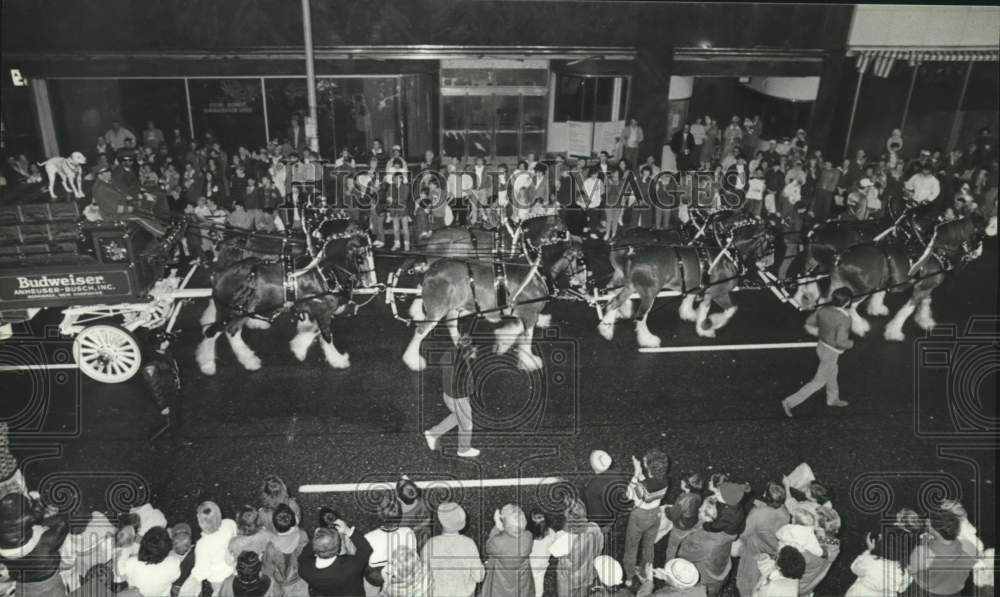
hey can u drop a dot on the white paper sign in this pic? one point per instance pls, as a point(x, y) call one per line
point(579, 138)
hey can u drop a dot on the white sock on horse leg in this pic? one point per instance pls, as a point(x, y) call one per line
point(876, 305)
point(301, 342)
point(417, 309)
point(686, 310)
point(721, 319)
point(335, 358)
point(643, 336)
point(894, 329)
point(626, 309)
point(702, 316)
point(607, 325)
point(924, 317)
point(412, 357)
point(859, 325)
point(507, 335)
point(244, 354)
point(205, 355)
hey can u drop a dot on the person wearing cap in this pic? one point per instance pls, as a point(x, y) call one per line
point(609, 577)
point(330, 572)
point(458, 387)
point(760, 534)
point(452, 558)
point(779, 577)
point(680, 577)
point(605, 495)
point(31, 537)
point(833, 326)
point(575, 548)
point(508, 553)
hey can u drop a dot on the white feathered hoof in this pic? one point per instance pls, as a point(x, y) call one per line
point(926, 323)
point(626, 309)
point(414, 362)
point(686, 310)
point(208, 315)
point(860, 326)
point(337, 360)
point(250, 362)
point(705, 331)
point(811, 330)
point(300, 344)
point(894, 335)
point(644, 337)
point(606, 330)
point(527, 361)
point(417, 309)
point(544, 320)
point(205, 355)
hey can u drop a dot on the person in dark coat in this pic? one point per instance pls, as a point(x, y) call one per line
point(508, 552)
point(328, 571)
point(682, 144)
point(31, 535)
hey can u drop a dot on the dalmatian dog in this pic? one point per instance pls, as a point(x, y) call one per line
point(69, 170)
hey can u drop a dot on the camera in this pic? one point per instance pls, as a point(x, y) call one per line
point(954, 385)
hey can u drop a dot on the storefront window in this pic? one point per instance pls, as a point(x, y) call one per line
point(160, 100)
point(590, 99)
point(350, 112)
point(230, 109)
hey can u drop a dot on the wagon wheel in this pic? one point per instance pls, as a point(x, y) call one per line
point(107, 353)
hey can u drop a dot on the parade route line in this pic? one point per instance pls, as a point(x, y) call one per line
point(8, 368)
point(440, 483)
point(709, 348)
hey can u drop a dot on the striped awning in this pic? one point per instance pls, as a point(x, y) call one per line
point(882, 60)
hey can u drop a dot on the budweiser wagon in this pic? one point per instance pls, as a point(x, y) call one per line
point(108, 279)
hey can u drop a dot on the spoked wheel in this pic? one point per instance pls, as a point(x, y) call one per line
point(107, 353)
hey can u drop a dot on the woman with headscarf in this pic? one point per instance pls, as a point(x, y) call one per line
point(405, 575)
point(151, 572)
point(248, 581)
point(760, 535)
point(212, 560)
point(31, 536)
point(576, 548)
point(508, 549)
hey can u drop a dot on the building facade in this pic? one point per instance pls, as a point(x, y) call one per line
point(493, 78)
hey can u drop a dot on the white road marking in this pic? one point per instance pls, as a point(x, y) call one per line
point(711, 348)
point(8, 368)
point(450, 483)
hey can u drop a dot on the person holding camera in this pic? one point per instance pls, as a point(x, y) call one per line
point(833, 323)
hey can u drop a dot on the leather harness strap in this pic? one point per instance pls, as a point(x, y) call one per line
point(472, 288)
point(499, 271)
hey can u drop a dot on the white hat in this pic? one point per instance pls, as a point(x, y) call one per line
point(865, 183)
point(800, 537)
point(680, 573)
point(600, 461)
point(609, 571)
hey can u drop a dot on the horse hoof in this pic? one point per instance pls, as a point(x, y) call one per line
point(926, 324)
point(544, 320)
point(895, 336)
point(208, 369)
point(341, 362)
point(879, 312)
point(252, 364)
point(650, 342)
point(606, 330)
point(415, 364)
point(709, 333)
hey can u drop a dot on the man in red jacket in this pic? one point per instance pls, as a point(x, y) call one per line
point(834, 324)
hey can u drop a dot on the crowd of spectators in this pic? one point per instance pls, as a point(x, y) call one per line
point(712, 167)
point(719, 536)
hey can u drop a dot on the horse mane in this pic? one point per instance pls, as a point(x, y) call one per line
point(953, 233)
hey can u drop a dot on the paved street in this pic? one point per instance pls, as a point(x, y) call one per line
point(711, 411)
